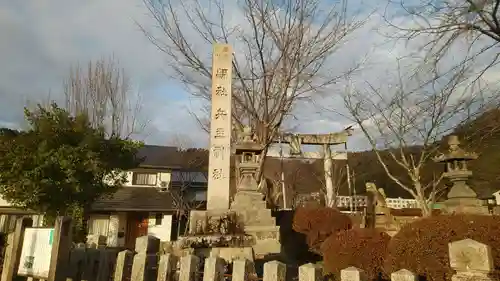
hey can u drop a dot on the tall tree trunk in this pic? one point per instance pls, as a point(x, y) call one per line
point(422, 202)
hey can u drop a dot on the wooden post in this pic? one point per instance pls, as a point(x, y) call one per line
point(14, 248)
point(61, 248)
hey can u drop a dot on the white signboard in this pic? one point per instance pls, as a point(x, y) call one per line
point(36, 252)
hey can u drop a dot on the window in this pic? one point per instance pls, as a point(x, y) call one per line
point(99, 224)
point(144, 179)
point(158, 218)
point(200, 196)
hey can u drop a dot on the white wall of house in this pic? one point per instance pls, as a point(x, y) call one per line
point(99, 224)
point(4, 203)
point(117, 226)
point(163, 178)
point(497, 197)
point(160, 226)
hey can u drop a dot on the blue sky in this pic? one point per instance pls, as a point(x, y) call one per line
point(40, 39)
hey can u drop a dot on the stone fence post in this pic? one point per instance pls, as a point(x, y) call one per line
point(274, 271)
point(471, 260)
point(214, 269)
point(352, 274)
point(166, 267)
point(123, 267)
point(189, 268)
point(145, 262)
point(310, 272)
point(403, 275)
point(243, 270)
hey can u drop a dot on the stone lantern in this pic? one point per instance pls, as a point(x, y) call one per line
point(248, 154)
point(248, 202)
point(461, 197)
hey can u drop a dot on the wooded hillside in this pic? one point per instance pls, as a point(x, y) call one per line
point(481, 135)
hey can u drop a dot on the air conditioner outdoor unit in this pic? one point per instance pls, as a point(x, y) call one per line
point(163, 186)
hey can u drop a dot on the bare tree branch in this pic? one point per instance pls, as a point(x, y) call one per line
point(181, 141)
point(282, 58)
point(451, 32)
point(418, 109)
point(102, 91)
point(188, 182)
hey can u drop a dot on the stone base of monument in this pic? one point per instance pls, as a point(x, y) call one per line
point(248, 224)
point(466, 205)
point(228, 254)
point(251, 212)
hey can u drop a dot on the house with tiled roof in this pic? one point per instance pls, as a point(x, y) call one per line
point(166, 182)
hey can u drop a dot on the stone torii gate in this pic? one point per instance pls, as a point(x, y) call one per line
point(295, 141)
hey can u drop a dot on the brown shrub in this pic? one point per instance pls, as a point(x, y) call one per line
point(422, 246)
point(319, 223)
point(364, 248)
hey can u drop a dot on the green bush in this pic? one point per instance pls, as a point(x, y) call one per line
point(422, 246)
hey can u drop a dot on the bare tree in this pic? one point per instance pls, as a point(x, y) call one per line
point(188, 183)
point(450, 29)
point(283, 56)
point(181, 141)
point(184, 196)
point(102, 91)
point(416, 109)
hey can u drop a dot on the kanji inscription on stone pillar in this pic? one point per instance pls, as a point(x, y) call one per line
point(220, 129)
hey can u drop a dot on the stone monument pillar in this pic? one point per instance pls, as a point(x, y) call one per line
point(249, 204)
point(248, 225)
point(218, 193)
point(461, 198)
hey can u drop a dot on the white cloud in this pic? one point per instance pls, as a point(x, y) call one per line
point(42, 38)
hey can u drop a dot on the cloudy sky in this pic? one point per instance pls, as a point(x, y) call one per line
point(41, 39)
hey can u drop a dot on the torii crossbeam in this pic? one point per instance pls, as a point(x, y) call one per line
point(295, 141)
point(314, 139)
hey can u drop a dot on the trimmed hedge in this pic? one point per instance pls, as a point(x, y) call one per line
point(422, 246)
point(363, 248)
point(318, 224)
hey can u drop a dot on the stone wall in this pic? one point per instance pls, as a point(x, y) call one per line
point(470, 259)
